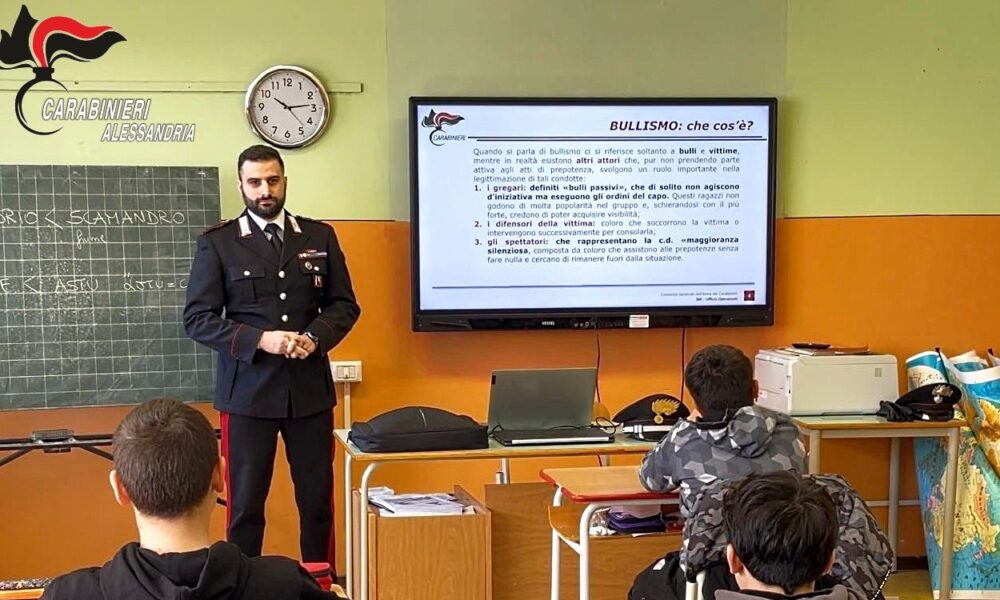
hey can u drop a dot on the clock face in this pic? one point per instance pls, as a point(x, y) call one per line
point(287, 107)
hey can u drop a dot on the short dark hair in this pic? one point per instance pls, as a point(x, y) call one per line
point(782, 526)
point(164, 453)
point(258, 153)
point(720, 379)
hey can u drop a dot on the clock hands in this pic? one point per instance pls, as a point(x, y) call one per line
point(289, 109)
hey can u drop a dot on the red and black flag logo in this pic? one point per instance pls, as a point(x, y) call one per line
point(38, 44)
point(439, 120)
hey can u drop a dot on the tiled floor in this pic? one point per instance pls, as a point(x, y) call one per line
point(909, 585)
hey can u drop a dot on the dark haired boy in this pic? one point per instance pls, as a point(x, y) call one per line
point(167, 468)
point(727, 436)
point(782, 531)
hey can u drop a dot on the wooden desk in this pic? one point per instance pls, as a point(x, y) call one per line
point(372, 460)
point(598, 487)
point(840, 427)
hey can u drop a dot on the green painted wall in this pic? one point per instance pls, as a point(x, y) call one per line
point(886, 107)
point(891, 107)
point(341, 176)
point(576, 48)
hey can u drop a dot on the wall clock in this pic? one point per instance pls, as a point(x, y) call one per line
point(287, 106)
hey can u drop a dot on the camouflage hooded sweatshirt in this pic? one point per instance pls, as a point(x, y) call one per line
point(754, 440)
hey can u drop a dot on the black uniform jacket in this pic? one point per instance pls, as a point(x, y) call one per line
point(239, 288)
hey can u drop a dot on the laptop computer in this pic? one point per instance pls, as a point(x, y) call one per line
point(544, 406)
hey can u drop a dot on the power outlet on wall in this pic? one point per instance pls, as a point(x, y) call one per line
point(346, 371)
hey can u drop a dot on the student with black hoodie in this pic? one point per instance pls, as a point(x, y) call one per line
point(167, 468)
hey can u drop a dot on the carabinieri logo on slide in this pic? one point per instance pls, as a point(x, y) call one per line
point(437, 120)
point(38, 44)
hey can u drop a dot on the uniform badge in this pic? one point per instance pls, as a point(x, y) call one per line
point(245, 231)
point(663, 408)
point(940, 393)
point(317, 281)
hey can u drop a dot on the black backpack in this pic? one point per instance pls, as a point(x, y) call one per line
point(664, 580)
point(417, 429)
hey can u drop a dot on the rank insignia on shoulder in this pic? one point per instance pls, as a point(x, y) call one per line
point(221, 223)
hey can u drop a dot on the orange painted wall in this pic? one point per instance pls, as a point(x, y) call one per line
point(900, 284)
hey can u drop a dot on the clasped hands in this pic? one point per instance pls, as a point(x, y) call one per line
point(286, 343)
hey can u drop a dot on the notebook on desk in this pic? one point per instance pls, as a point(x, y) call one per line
point(544, 406)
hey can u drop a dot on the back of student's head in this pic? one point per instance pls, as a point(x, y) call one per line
point(720, 379)
point(164, 454)
point(783, 528)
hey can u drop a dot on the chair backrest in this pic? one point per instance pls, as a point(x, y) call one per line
point(863, 558)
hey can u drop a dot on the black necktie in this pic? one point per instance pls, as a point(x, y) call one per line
point(275, 232)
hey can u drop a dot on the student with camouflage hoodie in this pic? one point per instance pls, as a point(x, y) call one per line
point(727, 436)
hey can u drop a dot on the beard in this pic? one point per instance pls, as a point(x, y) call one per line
point(266, 207)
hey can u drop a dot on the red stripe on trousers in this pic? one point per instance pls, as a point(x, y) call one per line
point(331, 553)
point(224, 423)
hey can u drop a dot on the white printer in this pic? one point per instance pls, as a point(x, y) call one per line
point(802, 383)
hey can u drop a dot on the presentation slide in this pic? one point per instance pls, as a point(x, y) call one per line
point(592, 206)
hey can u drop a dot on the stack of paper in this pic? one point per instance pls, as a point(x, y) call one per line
point(380, 491)
point(417, 505)
point(829, 350)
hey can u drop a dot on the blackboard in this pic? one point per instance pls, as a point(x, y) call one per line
point(95, 265)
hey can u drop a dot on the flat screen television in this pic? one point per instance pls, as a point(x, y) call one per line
point(534, 213)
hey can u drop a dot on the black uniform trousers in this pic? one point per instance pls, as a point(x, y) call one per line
point(249, 445)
